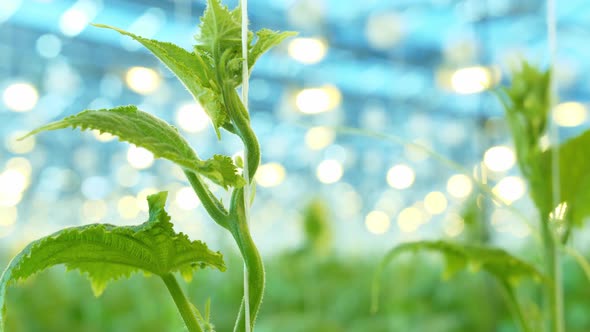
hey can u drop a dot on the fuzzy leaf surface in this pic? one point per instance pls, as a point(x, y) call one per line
point(221, 29)
point(194, 72)
point(220, 39)
point(151, 133)
point(266, 39)
point(105, 252)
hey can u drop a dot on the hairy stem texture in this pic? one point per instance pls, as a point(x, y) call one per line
point(252, 259)
point(182, 303)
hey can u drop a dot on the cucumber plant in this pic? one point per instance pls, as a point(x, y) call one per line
point(211, 72)
point(558, 180)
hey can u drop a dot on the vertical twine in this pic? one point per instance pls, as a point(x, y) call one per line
point(245, 77)
point(554, 137)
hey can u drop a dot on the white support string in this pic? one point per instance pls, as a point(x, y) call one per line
point(245, 78)
point(553, 129)
point(554, 137)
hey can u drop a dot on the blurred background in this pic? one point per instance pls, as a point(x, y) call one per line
point(418, 70)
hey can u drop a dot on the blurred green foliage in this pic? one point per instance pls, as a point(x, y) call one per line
point(310, 289)
point(304, 293)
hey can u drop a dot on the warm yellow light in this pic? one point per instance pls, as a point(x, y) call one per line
point(94, 210)
point(459, 186)
point(142, 80)
point(141, 199)
point(8, 216)
point(139, 158)
point(409, 219)
point(318, 100)
point(510, 189)
point(377, 222)
point(20, 147)
point(329, 171)
point(307, 50)
point(191, 117)
point(453, 225)
point(73, 21)
point(186, 198)
point(20, 97)
point(559, 212)
point(20, 164)
point(570, 114)
point(318, 138)
point(270, 175)
point(401, 176)
point(104, 137)
point(13, 182)
point(7, 199)
point(128, 207)
point(499, 158)
point(435, 202)
point(471, 80)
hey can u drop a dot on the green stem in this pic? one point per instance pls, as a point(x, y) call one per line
point(182, 303)
point(553, 289)
point(213, 206)
point(515, 306)
point(241, 120)
point(252, 259)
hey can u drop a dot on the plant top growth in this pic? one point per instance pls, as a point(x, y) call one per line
point(211, 72)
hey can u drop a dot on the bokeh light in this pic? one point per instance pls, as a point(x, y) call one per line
point(410, 219)
point(318, 138)
point(20, 97)
point(570, 114)
point(459, 186)
point(191, 117)
point(472, 79)
point(318, 100)
point(14, 145)
point(435, 202)
point(307, 50)
point(510, 189)
point(401, 176)
point(186, 198)
point(270, 175)
point(329, 171)
point(139, 158)
point(453, 225)
point(499, 158)
point(377, 222)
point(142, 80)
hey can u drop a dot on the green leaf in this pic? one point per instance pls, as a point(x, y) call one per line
point(157, 136)
point(221, 29)
point(220, 39)
point(574, 176)
point(197, 75)
point(527, 104)
point(105, 252)
point(267, 39)
point(497, 262)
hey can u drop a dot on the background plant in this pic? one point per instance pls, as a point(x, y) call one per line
point(211, 72)
point(527, 103)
